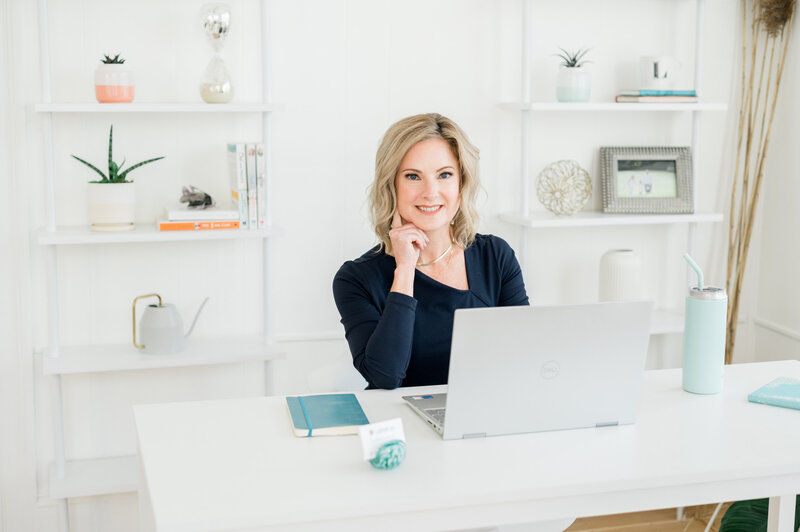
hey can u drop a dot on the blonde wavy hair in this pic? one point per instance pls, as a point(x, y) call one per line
point(397, 140)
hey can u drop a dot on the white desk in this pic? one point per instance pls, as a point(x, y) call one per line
point(235, 465)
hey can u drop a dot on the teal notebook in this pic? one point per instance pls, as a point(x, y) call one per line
point(783, 391)
point(326, 415)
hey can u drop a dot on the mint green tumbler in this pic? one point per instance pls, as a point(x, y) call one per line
point(704, 340)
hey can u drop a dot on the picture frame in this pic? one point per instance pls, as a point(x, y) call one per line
point(647, 179)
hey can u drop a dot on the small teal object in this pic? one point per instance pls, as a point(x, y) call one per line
point(390, 455)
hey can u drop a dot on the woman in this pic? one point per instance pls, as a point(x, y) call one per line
point(397, 300)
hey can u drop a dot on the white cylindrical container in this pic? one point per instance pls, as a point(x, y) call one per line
point(620, 276)
point(573, 84)
point(112, 206)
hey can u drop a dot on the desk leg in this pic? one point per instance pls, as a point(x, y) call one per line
point(781, 514)
point(146, 518)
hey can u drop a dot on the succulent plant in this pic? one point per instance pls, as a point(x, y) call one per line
point(116, 60)
point(573, 60)
point(115, 175)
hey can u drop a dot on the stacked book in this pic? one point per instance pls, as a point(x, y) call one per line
point(247, 184)
point(181, 217)
point(657, 96)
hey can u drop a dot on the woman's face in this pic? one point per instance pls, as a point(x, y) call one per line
point(428, 184)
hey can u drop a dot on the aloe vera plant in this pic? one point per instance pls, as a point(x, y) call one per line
point(115, 173)
point(116, 60)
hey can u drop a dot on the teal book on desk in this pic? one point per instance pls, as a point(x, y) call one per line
point(326, 415)
point(783, 391)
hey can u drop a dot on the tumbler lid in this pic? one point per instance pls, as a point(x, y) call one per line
point(707, 293)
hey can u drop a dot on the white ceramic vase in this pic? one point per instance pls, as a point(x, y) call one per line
point(573, 84)
point(112, 206)
point(620, 276)
point(113, 83)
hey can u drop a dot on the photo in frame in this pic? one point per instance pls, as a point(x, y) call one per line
point(647, 180)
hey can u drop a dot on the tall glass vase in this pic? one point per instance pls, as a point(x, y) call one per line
point(216, 86)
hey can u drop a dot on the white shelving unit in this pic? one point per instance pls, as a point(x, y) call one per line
point(665, 321)
point(99, 358)
point(98, 476)
point(543, 220)
point(79, 235)
point(156, 108)
point(612, 106)
point(108, 475)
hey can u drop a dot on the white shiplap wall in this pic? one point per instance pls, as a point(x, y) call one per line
point(345, 70)
point(777, 314)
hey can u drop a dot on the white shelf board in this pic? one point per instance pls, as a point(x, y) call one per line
point(96, 476)
point(157, 107)
point(540, 220)
point(666, 322)
point(83, 234)
point(613, 106)
point(125, 357)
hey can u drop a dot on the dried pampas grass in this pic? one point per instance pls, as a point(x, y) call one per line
point(764, 49)
point(775, 14)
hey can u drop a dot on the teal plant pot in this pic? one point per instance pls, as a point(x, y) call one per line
point(573, 84)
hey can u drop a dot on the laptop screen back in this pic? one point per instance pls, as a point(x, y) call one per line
point(530, 369)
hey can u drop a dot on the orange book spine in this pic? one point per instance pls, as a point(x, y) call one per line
point(193, 226)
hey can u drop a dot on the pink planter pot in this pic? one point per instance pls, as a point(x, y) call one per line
point(113, 83)
point(114, 93)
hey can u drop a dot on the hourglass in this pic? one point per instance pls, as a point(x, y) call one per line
point(215, 20)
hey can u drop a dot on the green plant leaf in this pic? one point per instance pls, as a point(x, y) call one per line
point(113, 169)
point(110, 146)
point(579, 56)
point(573, 60)
point(751, 516)
point(93, 167)
point(135, 166)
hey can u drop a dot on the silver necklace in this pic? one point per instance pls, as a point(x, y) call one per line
point(437, 259)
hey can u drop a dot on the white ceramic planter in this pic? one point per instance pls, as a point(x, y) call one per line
point(113, 83)
point(620, 276)
point(112, 206)
point(573, 84)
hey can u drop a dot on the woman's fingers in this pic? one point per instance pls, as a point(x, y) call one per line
point(397, 221)
point(407, 242)
point(409, 233)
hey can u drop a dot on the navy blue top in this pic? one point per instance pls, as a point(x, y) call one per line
point(397, 340)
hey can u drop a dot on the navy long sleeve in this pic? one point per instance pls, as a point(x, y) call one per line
point(397, 340)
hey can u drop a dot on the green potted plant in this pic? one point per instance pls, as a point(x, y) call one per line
point(574, 81)
point(112, 199)
point(113, 81)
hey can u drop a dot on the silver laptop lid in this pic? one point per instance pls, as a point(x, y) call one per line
point(530, 369)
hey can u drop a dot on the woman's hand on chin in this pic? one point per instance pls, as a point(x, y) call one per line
point(407, 242)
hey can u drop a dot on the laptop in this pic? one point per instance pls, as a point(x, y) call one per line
point(531, 369)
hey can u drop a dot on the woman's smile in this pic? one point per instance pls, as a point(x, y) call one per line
point(428, 186)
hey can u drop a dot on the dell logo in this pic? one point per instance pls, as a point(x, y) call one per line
point(550, 370)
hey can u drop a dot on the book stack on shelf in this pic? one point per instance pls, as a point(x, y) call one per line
point(181, 217)
point(657, 96)
point(248, 190)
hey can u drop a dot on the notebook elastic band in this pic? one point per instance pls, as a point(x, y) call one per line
point(305, 414)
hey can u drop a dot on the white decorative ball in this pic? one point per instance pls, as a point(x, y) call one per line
point(563, 187)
